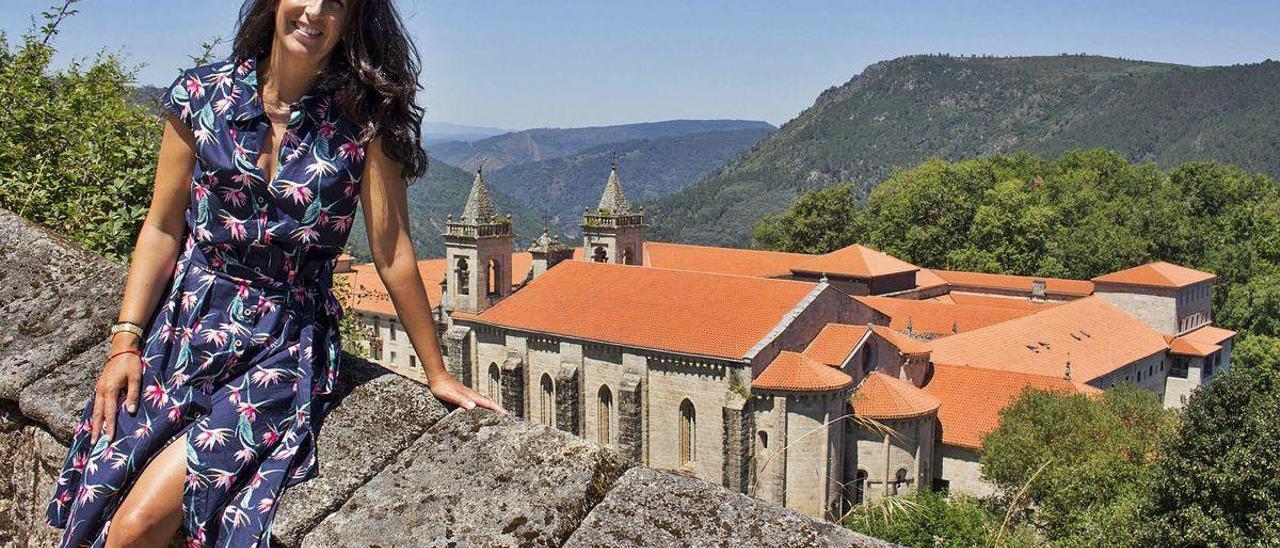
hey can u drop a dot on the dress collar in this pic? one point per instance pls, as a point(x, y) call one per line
point(247, 104)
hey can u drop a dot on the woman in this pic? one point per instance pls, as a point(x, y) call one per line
point(203, 412)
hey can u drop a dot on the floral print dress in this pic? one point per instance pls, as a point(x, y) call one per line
point(246, 337)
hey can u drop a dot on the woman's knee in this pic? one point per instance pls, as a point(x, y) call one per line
point(138, 527)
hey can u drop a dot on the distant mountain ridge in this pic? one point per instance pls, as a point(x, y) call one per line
point(649, 169)
point(898, 113)
point(533, 145)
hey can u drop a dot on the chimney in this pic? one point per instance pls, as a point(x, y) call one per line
point(1037, 290)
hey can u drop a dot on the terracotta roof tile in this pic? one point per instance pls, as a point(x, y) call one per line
point(927, 279)
point(972, 398)
point(905, 343)
point(1017, 303)
point(937, 318)
point(674, 310)
point(724, 260)
point(793, 372)
point(883, 397)
point(1157, 274)
point(834, 343)
point(1201, 342)
point(1009, 282)
point(1095, 336)
point(371, 295)
point(855, 261)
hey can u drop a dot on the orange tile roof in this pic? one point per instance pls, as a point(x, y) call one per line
point(1184, 347)
point(905, 343)
point(927, 279)
point(835, 342)
point(1201, 342)
point(1018, 303)
point(855, 261)
point(1010, 282)
point(972, 398)
point(370, 295)
point(1157, 274)
point(700, 313)
point(1094, 335)
point(724, 260)
point(883, 397)
point(793, 372)
point(939, 318)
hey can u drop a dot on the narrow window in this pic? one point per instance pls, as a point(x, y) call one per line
point(463, 276)
point(393, 357)
point(495, 381)
point(494, 274)
point(860, 486)
point(900, 479)
point(393, 330)
point(605, 415)
point(413, 361)
point(688, 432)
point(548, 406)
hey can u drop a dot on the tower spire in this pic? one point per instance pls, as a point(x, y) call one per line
point(613, 200)
point(479, 208)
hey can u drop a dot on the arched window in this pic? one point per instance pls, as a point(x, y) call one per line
point(548, 406)
point(859, 486)
point(762, 442)
point(900, 479)
point(495, 283)
point(599, 255)
point(688, 433)
point(604, 414)
point(463, 275)
point(495, 381)
point(626, 255)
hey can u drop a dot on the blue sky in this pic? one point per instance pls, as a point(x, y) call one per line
point(572, 63)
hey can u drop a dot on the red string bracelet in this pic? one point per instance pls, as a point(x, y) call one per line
point(133, 351)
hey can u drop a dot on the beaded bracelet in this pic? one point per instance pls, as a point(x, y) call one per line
point(133, 351)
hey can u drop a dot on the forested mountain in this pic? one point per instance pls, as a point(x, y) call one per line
point(433, 198)
point(898, 113)
point(649, 169)
point(534, 145)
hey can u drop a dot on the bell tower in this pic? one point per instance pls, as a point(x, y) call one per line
point(613, 233)
point(478, 250)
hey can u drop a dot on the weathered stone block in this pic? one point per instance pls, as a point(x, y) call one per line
point(29, 463)
point(647, 507)
point(58, 399)
point(378, 413)
point(55, 301)
point(477, 478)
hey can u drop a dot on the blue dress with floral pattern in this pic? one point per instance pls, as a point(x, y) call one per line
point(245, 340)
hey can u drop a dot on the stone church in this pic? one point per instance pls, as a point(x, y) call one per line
point(813, 381)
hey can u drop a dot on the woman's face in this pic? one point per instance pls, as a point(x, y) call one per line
point(311, 28)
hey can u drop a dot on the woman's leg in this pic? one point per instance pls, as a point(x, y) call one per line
point(152, 511)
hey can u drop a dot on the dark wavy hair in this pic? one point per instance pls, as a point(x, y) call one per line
point(374, 67)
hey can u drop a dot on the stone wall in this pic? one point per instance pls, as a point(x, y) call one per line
point(397, 467)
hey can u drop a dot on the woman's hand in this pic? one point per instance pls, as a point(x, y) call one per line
point(448, 389)
point(122, 374)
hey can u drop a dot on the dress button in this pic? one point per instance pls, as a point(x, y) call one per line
point(262, 201)
point(247, 313)
point(239, 343)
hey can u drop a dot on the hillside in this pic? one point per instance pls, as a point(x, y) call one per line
point(649, 168)
point(898, 113)
point(432, 199)
point(534, 145)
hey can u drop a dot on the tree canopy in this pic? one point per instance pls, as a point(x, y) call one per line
point(1081, 215)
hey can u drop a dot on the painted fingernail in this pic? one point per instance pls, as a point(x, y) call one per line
point(133, 408)
point(471, 404)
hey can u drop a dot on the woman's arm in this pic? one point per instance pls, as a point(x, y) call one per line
point(386, 218)
point(154, 255)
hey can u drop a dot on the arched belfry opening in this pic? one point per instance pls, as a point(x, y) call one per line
point(615, 225)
